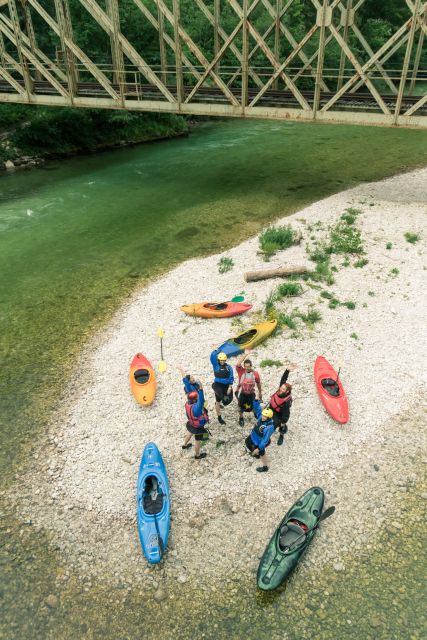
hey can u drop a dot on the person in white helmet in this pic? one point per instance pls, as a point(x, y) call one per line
point(223, 382)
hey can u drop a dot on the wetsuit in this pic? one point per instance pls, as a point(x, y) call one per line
point(224, 378)
point(259, 438)
point(281, 406)
point(246, 400)
point(197, 416)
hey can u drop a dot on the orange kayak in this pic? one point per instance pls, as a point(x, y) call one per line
point(216, 309)
point(142, 380)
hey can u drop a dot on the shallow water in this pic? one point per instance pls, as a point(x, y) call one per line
point(77, 237)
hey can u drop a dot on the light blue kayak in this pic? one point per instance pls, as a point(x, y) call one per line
point(153, 504)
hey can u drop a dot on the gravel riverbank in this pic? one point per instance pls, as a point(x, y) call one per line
point(81, 487)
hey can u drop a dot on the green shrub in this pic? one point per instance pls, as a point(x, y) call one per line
point(361, 263)
point(389, 245)
point(327, 295)
point(274, 239)
point(285, 320)
point(345, 239)
point(310, 318)
point(225, 264)
point(412, 237)
point(270, 302)
point(270, 363)
point(350, 215)
point(333, 303)
point(371, 293)
point(288, 290)
point(350, 305)
point(394, 272)
point(354, 336)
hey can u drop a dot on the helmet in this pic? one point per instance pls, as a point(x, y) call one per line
point(222, 356)
point(267, 412)
point(192, 396)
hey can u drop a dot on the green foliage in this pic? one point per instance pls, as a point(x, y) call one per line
point(350, 305)
point(333, 303)
point(326, 295)
point(310, 318)
point(412, 237)
point(389, 245)
point(13, 114)
point(275, 239)
point(288, 290)
point(350, 215)
point(270, 363)
point(270, 302)
point(225, 264)
point(344, 238)
point(371, 293)
point(394, 272)
point(354, 336)
point(286, 320)
point(359, 264)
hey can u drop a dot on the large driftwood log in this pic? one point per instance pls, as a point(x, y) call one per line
point(253, 276)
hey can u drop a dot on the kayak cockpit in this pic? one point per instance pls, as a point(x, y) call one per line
point(245, 337)
point(331, 387)
point(141, 376)
point(221, 306)
point(152, 496)
point(292, 533)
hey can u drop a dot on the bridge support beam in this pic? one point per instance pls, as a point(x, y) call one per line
point(28, 81)
point(116, 50)
point(408, 53)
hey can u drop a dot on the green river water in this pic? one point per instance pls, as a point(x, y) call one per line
point(76, 238)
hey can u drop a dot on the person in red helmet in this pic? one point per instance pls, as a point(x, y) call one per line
point(197, 419)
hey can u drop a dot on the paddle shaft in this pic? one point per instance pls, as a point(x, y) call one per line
point(338, 374)
point(161, 348)
point(324, 515)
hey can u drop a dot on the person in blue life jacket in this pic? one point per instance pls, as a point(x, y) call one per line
point(190, 382)
point(223, 382)
point(197, 420)
point(260, 436)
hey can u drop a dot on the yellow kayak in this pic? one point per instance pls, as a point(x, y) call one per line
point(248, 339)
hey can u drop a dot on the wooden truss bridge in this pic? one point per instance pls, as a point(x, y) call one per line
point(234, 58)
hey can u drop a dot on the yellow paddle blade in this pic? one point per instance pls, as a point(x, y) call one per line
point(162, 366)
point(160, 333)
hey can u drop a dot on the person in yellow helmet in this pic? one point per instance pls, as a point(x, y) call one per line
point(223, 382)
point(260, 436)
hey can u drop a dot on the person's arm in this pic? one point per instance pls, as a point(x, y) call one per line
point(198, 407)
point(187, 384)
point(258, 384)
point(256, 407)
point(214, 358)
point(240, 360)
point(284, 377)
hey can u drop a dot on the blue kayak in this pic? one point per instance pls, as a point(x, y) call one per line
point(153, 504)
point(248, 339)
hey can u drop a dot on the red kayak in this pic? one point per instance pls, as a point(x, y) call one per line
point(330, 390)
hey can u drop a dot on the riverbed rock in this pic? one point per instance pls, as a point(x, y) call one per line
point(9, 165)
point(160, 595)
point(338, 566)
point(52, 601)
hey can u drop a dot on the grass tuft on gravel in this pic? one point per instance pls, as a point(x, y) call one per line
point(288, 290)
point(225, 264)
point(412, 238)
point(275, 239)
point(270, 363)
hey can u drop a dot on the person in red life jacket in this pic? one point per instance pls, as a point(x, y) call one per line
point(249, 381)
point(197, 419)
point(281, 402)
point(260, 436)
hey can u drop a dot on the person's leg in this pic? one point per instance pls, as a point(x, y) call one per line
point(197, 445)
point(187, 444)
point(264, 463)
point(283, 427)
point(218, 398)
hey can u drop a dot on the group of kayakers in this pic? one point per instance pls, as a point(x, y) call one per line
point(273, 416)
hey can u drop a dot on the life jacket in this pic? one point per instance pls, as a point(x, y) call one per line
point(222, 372)
point(196, 422)
point(277, 402)
point(247, 383)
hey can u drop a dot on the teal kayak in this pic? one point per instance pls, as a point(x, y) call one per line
point(290, 540)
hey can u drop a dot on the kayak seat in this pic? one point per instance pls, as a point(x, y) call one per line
point(217, 307)
point(152, 507)
point(142, 376)
point(331, 387)
point(289, 534)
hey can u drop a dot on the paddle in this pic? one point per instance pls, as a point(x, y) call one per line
point(338, 374)
point(162, 363)
point(325, 514)
point(237, 299)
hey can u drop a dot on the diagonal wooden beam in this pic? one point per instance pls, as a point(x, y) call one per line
point(79, 54)
point(322, 18)
point(178, 52)
point(169, 41)
point(213, 64)
point(207, 13)
point(71, 80)
point(143, 67)
point(407, 59)
point(270, 55)
point(421, 102)
point(38, 52)
point(17, 41)
point(417, 59)
point(284, 64)
point(28, 55)
point(116, 49)
point(288, 35)
point(198, 54)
